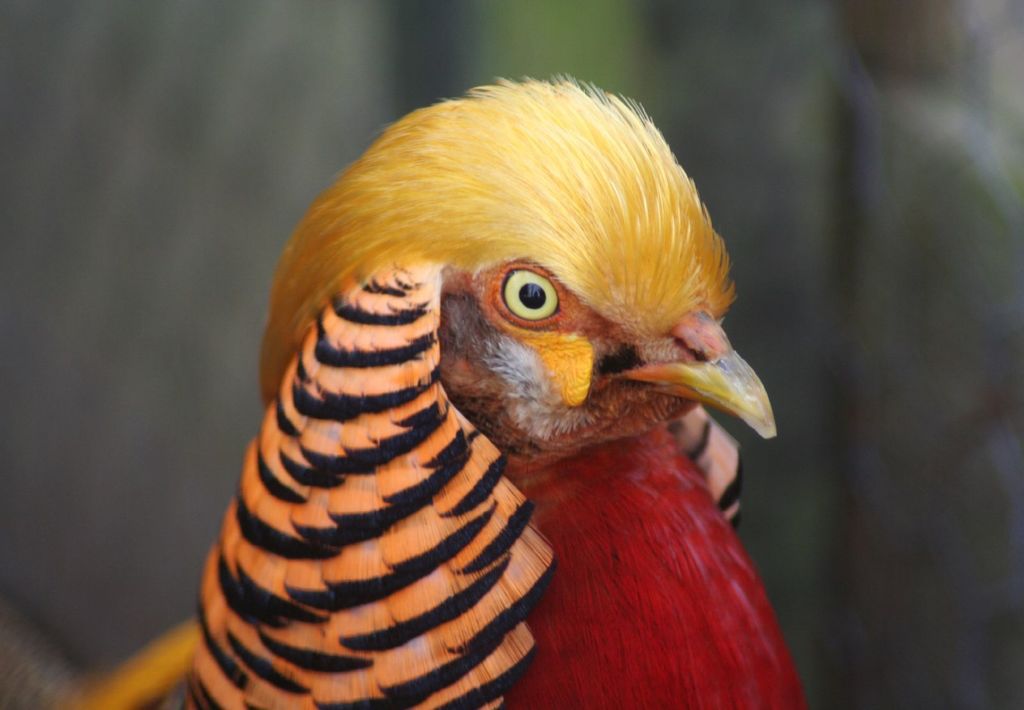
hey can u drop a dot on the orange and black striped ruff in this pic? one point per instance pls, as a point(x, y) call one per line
point(375, 555)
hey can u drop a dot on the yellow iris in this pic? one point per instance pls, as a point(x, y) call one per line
point(529, 295)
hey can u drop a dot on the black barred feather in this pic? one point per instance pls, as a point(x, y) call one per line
point(297, 508)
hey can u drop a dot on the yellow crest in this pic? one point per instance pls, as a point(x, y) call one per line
point(573, 178)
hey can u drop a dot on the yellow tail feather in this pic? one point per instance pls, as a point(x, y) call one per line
point(145, 677)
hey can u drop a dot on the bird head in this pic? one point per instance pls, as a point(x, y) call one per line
point(583, 284)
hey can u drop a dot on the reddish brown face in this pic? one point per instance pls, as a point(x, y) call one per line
point(543, 375)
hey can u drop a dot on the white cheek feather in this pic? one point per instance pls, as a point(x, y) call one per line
point(534, 401)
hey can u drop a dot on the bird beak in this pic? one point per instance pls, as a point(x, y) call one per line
point(721, 378)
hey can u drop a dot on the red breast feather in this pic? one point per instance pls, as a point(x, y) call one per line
point(655, 603)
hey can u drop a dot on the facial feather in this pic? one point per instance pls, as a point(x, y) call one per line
point(534, 399)
point(504, 387)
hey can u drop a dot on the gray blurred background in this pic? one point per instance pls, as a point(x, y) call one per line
point(863, 159)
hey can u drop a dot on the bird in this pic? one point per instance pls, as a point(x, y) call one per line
point(486, 475)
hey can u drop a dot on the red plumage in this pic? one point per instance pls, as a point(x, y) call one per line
point(655, 604)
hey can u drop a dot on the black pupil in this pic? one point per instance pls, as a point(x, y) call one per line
point(532, 296)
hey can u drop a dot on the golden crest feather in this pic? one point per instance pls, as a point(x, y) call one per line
point(576, 179)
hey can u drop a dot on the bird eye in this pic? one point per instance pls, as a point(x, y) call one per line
point(529, 295)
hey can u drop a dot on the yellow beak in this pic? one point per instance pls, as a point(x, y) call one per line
point(727, 383)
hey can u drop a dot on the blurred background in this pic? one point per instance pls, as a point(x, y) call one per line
point(863, 159)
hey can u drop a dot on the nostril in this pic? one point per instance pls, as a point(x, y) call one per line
point(692, 353)
point(701, 337)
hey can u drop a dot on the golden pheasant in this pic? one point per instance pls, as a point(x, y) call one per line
point(487, 346)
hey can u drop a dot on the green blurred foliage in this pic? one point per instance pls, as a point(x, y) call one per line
point(542, 39)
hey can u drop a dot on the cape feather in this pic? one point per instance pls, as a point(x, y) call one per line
point(375, 553)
